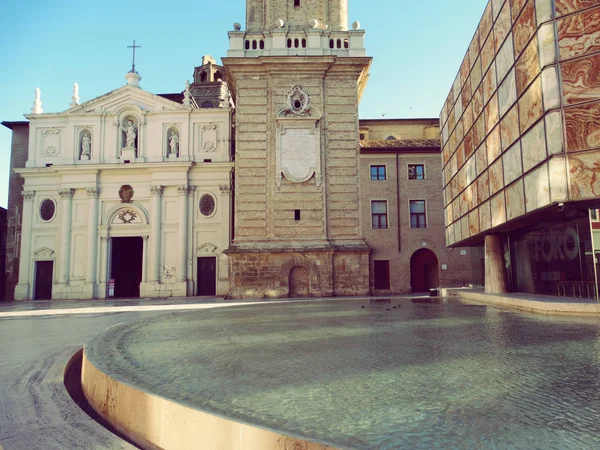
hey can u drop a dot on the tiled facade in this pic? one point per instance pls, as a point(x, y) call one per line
point(520, 127)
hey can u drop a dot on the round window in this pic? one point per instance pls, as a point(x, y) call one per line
point(47, 209)
point(207, 205)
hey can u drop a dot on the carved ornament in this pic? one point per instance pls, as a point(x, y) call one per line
point(298, 100)
point(93, 191)
point(127, 216)
point(209, 146)
point(156, 189)
point(28, 195)
point(206, 249)
point(66, 193)
point(50, 151)
point(126, 193)
point(184, 189)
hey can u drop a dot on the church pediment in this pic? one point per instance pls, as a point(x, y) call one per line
point(123, 98)
point(44, 253)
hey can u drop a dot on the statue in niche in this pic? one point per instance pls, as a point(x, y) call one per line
point(130, 135)
point(86, 146)
point(174, 144)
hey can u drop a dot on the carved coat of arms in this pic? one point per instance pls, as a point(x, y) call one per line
point(126, 193)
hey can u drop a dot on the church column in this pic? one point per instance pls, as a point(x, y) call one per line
point(184, 190)
point(65, 251)
point(92, 234)
point(25, 256)
point(495, 274)
point(156, 192)
point(145, 259)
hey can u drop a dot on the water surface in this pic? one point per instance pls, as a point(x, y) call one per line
point(375, 374)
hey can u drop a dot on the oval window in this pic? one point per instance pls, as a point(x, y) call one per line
point(207, 205)
point(47, 209)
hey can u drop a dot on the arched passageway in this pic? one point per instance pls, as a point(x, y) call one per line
point(424, 274)
point(299, 282)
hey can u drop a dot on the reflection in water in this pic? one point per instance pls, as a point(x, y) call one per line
point(400, 374)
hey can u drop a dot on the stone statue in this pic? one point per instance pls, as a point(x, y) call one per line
point(86, 146)
point(174, 144)
point(131, 134)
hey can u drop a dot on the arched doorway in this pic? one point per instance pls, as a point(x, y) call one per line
point(424, 274)
point(299, 282)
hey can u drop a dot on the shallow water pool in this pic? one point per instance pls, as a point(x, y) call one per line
point(377, 374)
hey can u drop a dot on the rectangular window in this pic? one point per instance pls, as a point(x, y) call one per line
point(378, 173)
point(296, 214)
point(417, 214)
point(416, 172)
point(379, 214)
point(381, 274)
point(593, 214)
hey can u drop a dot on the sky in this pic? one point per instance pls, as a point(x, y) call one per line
point(417, 47)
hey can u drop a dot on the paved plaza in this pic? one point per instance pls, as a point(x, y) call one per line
point(36, 341)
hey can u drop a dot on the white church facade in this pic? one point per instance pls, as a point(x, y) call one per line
point(129, 194)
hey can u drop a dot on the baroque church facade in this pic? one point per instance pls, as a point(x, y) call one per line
point(128, 194)
point(136, 194)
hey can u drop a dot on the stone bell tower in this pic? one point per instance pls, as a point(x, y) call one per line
point(296, 75)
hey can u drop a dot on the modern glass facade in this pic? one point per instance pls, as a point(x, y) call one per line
point(558, 257)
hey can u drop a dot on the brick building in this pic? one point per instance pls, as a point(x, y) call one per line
point(402, 209)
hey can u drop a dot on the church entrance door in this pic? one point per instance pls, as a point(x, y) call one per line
point(43, 280)
point(207, 275)
point(126, 265)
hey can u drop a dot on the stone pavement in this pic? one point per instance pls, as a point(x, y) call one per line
point(37, 339)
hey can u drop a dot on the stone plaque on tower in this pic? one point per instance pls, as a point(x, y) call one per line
point(298, 156)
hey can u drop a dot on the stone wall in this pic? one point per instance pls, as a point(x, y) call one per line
point(19, 147)
point(276, 217)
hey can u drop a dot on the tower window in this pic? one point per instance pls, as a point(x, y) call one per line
point(296, 214)
point(296, 3)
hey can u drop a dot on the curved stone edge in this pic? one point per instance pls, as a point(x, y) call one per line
point(533, 303)
point(153, 422)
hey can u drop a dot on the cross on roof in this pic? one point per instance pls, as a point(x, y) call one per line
point(133, 61)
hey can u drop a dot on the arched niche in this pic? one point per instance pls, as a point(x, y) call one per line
point(172, 142)
point(85, 144)
point(130, 131)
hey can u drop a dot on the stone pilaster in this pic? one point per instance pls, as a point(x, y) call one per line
point(183, 190)
point(65, 247)
point(145, 259)
point(226, 208)
point(23, 288)
point(155, 238)
point(93, 193)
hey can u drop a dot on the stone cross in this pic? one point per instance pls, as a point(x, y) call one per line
point(133, 61)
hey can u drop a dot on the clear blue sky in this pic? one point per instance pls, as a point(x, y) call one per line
point(417, 48)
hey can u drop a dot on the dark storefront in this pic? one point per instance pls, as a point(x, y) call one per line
point(557, 258)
